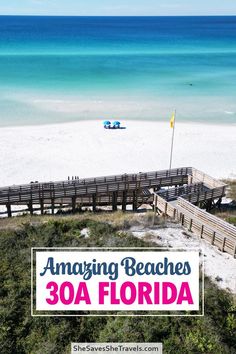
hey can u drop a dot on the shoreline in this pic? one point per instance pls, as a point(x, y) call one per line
point(86, 149)
point(34, 109)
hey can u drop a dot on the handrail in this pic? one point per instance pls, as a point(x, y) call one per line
point(103, 179)
point(210, 219)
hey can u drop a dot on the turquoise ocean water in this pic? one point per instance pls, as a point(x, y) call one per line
point(57, 69)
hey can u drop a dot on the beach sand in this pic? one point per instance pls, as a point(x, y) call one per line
point(85, 149)
point(219, 266)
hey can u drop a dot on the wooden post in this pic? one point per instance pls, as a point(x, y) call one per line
point(9, 213)
point(208, 205)
point(182, 220)
point(53, 206)
point(190, 224)
point(174, 214)
point(124, 200)
point(30, 206)
point(134, 200)
point(154, 209)
point(41, 206)
point(114, 201)
point(223, 244)
point(73, 204)
point(155, 205)
point(202, 230)
point(219, 203)
point(166, 205)
point(234, 252)
point(94, 202)
point(213, 238)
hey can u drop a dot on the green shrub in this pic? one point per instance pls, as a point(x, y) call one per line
point(20, 333)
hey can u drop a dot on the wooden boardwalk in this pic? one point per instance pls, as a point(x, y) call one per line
point(183, 205)
point(178, 193)
point(114, 190)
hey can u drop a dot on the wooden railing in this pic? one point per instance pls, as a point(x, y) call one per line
point(164, 206)
point(210, 182)
point(174, 193)
point(204, 195)
point(208, 226)
point(82, 202)
point(35, 192)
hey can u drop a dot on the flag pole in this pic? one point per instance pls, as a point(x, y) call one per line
point(172, 141)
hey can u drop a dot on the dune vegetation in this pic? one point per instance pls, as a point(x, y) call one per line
point(21, 333)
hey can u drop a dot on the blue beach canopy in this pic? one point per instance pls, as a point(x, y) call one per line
point(116, 122)
point(106, 122)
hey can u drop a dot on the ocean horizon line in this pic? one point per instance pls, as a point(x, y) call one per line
point(117, 16)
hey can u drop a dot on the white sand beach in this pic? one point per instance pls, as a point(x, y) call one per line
point(85, 148)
